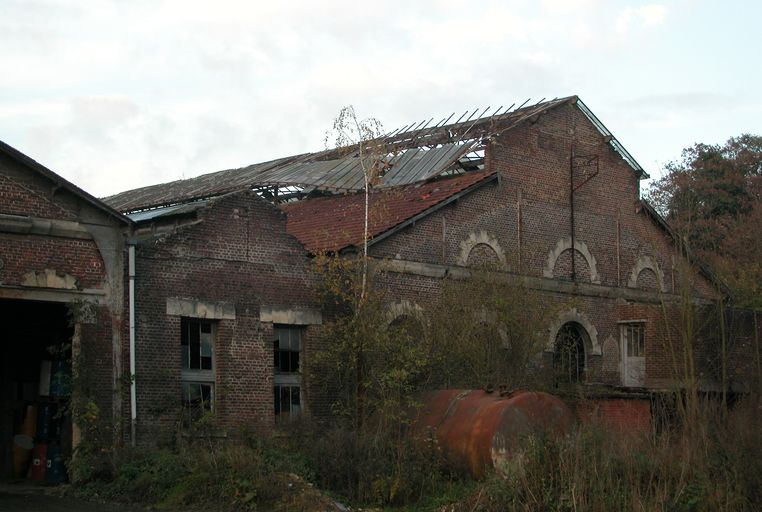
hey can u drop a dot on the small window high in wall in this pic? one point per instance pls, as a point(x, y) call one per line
point(287, 351)
point(197, 354)
point(569, 353)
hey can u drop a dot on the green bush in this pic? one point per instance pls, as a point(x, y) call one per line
point(238, 475)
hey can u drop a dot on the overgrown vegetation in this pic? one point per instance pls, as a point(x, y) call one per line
point(712, 197)
point(375, 355)
point(247, 475)
point(712, 463)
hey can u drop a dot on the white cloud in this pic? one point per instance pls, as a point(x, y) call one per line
point(645, 16)
point(116, 95)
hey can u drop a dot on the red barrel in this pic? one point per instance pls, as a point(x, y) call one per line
point(479, 431)
point(39, 462)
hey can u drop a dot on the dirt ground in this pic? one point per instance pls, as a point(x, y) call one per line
point(23, 497)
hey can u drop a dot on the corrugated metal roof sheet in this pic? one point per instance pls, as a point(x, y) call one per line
point(335, 222)
point(175, 209)
point(180, 191)
point(414, 155)
point(343, 174)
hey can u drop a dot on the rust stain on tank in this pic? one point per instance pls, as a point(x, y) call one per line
point(479, 431)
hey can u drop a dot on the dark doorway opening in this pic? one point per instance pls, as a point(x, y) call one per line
point(35, 384)
point(569, 353)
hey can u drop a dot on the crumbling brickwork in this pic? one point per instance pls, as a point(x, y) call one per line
point(59, 251)
point(527, 213)
point(235, 253)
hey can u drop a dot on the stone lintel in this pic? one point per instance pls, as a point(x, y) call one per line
point(290, 316)
point(200, 309)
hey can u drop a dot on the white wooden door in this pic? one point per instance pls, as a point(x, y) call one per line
point(633, 354)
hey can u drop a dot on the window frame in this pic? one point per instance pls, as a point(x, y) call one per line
point(288, 379)
point(197, 376)
point(625, 327)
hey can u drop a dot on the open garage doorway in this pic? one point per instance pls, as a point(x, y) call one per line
point(35, 386)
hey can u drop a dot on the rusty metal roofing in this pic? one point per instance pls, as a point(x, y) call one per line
point(335, 222)
point(180, 191)
point(410, 156)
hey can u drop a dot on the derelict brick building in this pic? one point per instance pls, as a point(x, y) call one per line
point(61, 298)
point(222, 309)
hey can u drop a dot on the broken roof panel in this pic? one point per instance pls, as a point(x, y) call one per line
point(175, 209)
point(335, 222)
point(413, 156)
point(180, 191)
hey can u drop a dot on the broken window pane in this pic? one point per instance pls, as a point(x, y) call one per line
point(197, 400)
point(196, 353)
point(287, 402)
point(287, 348)
point(196, 344)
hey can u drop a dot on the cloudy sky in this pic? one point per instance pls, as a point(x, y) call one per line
point(119, 94)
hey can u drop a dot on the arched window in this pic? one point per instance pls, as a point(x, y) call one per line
point(408, 325)
point(569, 353)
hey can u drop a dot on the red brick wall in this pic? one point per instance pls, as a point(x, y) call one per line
point(30, 197)
point(618, 414)
point(240, 254)
point(23, 254)
point(533, 162)
point(27, 193)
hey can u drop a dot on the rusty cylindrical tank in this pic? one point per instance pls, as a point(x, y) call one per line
point(478, 431)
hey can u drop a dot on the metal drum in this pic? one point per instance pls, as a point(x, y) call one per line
point(479, 431)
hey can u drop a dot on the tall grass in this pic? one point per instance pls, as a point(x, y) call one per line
point(710, 462)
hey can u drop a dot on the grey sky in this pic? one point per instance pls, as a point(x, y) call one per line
point(119, 94)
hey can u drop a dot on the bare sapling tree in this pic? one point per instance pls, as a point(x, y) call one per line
point(351, 133)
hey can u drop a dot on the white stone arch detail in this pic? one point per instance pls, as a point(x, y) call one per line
point(565, 244)
point(403, 307)
point(592, 348)
point(646, 263)
point(476, 238)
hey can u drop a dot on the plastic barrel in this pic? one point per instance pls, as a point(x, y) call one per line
point(22, 451)
point(60, 382)
point(56, 470)
point(45, 373)
point(56, 424)
point(39, 462)
point(29, 424)
point(45, 413)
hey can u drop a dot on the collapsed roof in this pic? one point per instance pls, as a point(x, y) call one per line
point(412, 154)
point(336, 222)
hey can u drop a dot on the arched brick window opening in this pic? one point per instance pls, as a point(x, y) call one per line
point(481, 249)
point(483, 255)
point(563, 267)
point(408, 325)
point(561, 256)
point(569, 353)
